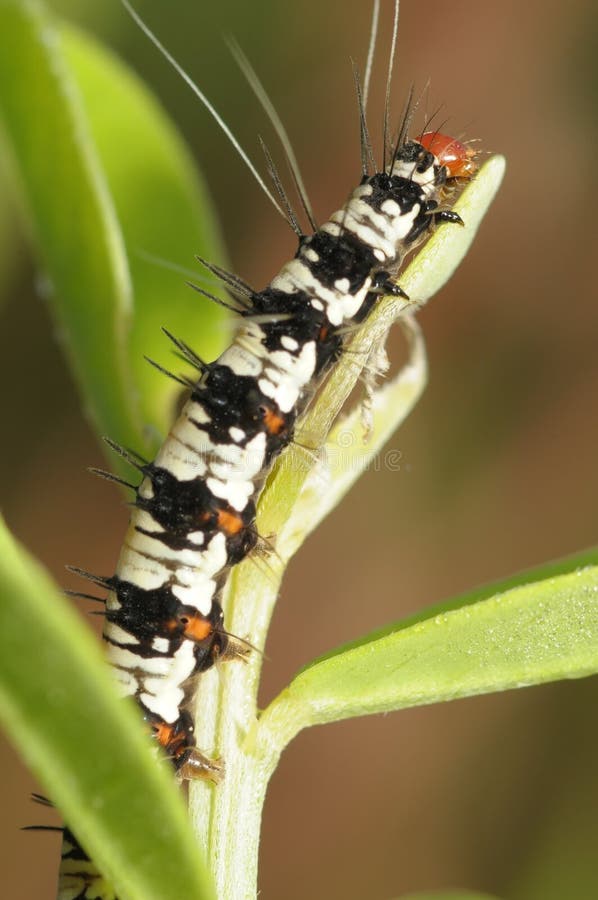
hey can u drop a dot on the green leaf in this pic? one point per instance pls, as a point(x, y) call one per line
point(164, 212)
point(105, 178)
point(85, 744)
point(529, 634)
point(347, 454)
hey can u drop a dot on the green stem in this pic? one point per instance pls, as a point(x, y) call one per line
point(233, 809)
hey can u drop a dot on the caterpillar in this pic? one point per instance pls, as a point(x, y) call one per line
point(194, 510)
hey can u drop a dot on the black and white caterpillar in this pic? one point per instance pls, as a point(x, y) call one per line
point(194, 509)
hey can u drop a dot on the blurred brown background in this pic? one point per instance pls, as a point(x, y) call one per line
point(498, 469)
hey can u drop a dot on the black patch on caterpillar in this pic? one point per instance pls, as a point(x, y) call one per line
point(340, 256)
point(235, 401)
point(149, 613)
point(184, 507)
point(298, 320)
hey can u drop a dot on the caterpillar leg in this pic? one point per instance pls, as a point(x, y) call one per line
point(234, 648)
point(447, 215)
point(196, 766)
point(384, 284)
point(178, 742)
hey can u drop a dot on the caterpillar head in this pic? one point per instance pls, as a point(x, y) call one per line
point(458, 159)
point(434, 159)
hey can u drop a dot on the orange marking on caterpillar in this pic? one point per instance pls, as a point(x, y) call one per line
point(274, 422)
point(196, 628)
point(229, 522)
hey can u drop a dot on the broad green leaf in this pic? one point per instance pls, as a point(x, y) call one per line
point(165, 215)
point(105, 178)
point(85, 744)
point(530, 634)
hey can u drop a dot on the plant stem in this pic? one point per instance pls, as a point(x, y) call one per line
point(232, 810)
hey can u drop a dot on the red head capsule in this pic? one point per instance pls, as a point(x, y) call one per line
point(458, 159)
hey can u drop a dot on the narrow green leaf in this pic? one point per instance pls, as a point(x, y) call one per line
point(444, 252)
point(348, 451)
point(72, 214)
point(104, 177)
point(59, 705)
point(530, 634)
